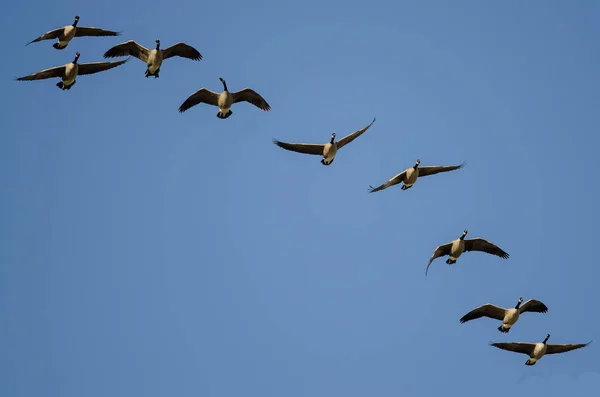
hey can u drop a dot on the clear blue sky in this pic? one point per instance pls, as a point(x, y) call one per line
point(149, 253)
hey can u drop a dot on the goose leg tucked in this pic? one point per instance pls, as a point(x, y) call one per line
point(59, 46)
point(504, 328)
point(327, 162)
point(64, 86)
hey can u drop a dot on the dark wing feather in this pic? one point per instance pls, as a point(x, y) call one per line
point(479, 244)
point(533, 305)
point(95, 67)
point(393, 181)
point(554, 349)
point(517, 347)
point(128, 48)
point(252, 97)
point(181, 50)
point(441, 250)
point(57, 71)
point(306, 148)
point(53, 34)
point(349, 138)
point(96, 32)
point(487, 310)
point(434, 169)
point(203, 95)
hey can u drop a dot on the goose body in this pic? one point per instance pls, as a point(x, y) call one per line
point(536, 351)
point(410, 175)
point(224, 100)
point(508, 316)
point(68, 73)
point(456, 248)
point(153, 58)
point(67, 33)
point(327, 150)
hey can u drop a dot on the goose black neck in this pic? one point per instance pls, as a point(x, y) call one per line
point(75, 23)
point(158, 46)
point(415, 166)
point(545, 340)
point(332, 139)
point(462, 237)
point(76, 58)
point(224, 85)
point(518, 305)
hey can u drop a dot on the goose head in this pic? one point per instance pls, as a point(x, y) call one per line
point(157, 44)
point(76, 57)
point(464, 234)
point(519, 303)
point(76, 20)
point(417, 164)
point(546, 339)
point(333, 137)
point(224, 83)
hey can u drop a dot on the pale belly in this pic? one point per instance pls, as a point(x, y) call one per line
point(154, 61)
point(70, 74)
point(224, 102)
point(67, 36)
point(329, 151)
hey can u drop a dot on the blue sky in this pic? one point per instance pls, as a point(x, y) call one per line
point(145, 252)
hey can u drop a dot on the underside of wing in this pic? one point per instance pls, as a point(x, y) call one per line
point(487, 310)
point(306, 148)
point(252, 97)
point(349, 138)
point(128, 48)
point(533, 305)
point(393, 181)
point(91, 31)
point(203, 95)
point(439, 251)
point(554, 349)
point(434, 169)
point(95, 67)
point(481, 245)
point(517, 347)
point(182, 50)
point(53, 34)
point(45, 74)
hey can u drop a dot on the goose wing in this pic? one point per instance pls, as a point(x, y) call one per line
point(434, 169)
point(487, 310)
point(533, 305)
point(128, 48)
point(56, 71)
point(251, 96)
point(203, 95)
point(95, 67)
point(517, 347)
point(554, 349)
point(479, 244)
point(349, 138)
point(393, 181)
point(441, 250)
point(306, 148)
point(181, 50)
point(53, 34)
point(91, 31)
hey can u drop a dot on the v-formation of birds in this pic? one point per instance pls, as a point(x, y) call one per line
point(224, 100)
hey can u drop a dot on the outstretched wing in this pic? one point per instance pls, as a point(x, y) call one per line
point(517, 347)
point(441, 250)
point(487, 310)
point(349, 138)
point(533, 305)
point(479, 244)
point(181, 50)
point(434, 169)
point(57, 71)
point(91, 31)
point(128, 48)
point(95, 67)
point(393, 181)
point(203, 95)
point(53, 34)
point(252, 97)
point(554, 349)
point(306, 148)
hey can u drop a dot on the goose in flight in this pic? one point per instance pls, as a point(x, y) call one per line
point(536, 351)
point(155, 57)
point(67, 33)
point(69, 72)
point(224, 100)
point(327, 150)
point(508, 316)
point(455, 249)
point(409, 176)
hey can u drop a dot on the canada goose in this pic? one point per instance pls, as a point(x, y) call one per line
point(69, 72)
point(67, 33)
point(508, 316)
point(224, 100)
point(153, 58)
point(455, 249)
point(328, 150)
point(536, 351)
point(409, 176)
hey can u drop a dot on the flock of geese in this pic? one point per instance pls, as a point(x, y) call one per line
point(224, 101)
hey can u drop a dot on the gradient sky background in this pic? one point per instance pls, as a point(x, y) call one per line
point(150, 253)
